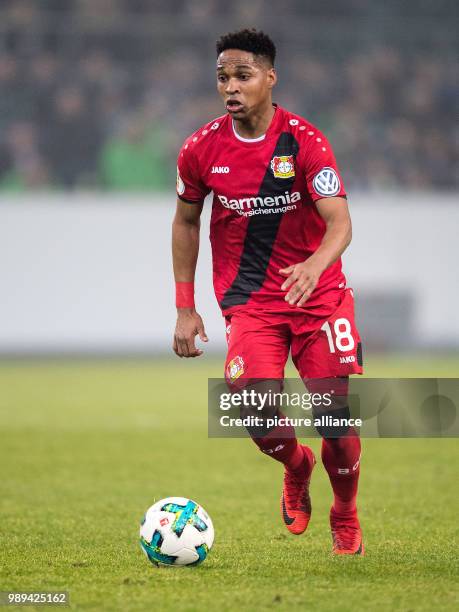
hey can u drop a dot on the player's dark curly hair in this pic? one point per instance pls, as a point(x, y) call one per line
point(252, 40)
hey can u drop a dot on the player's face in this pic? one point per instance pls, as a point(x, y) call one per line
point(244, 83)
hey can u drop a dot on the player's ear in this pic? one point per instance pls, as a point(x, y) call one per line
point(272, 77)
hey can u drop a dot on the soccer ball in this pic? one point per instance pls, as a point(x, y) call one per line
point(176, 531)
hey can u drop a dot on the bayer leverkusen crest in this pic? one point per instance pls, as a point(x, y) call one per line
point(283, 166)
point(235, 368)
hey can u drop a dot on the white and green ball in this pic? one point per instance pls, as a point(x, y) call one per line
point(176, 531)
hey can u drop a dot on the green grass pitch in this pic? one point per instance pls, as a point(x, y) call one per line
point(86, 447)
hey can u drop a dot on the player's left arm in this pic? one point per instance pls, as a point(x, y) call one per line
point(302, 278)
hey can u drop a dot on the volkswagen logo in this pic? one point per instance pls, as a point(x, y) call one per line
point(326, 183)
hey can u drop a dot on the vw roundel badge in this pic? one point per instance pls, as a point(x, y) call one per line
point(326, 182)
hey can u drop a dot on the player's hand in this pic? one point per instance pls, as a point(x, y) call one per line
point(189, 325)
point(301, 282)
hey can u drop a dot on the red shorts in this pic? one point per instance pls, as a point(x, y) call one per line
point(324, 341)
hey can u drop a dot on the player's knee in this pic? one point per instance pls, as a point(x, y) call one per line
point(333, 423)
point(260, 404)
point(261, 410)
point(260, 398)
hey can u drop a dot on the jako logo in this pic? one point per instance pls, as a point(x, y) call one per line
point(257, 201)
point(271, 451)
point(347, 470)
point(220, 170)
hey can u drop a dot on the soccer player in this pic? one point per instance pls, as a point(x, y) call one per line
point(279, 225)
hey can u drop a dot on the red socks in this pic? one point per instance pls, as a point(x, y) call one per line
point(341, 459)
point(281, 444)
point(340, 456)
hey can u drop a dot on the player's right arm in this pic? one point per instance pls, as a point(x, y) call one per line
point(191, 192)
point(185, 248)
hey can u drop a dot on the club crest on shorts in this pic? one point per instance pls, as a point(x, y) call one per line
point(283, 166)
point(235, 368)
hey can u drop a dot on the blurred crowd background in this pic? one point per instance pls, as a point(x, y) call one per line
point(96, 97)
point(99, 94)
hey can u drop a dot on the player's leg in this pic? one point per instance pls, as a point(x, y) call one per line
point(341, 450)
point(325, 358)
point(280, 443)
point(258, 347)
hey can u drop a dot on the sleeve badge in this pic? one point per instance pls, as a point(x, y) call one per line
point(180, 184)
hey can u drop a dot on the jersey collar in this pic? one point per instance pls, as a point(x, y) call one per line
point(263, 136)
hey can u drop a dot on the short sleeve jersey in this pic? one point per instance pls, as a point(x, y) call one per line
point(264, 216)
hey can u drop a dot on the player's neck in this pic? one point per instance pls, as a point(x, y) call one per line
point(257, 124)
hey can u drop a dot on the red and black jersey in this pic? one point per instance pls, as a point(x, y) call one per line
point(264, 216)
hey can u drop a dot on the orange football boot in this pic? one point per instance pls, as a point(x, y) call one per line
point(295, 500)
point(346, 533)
